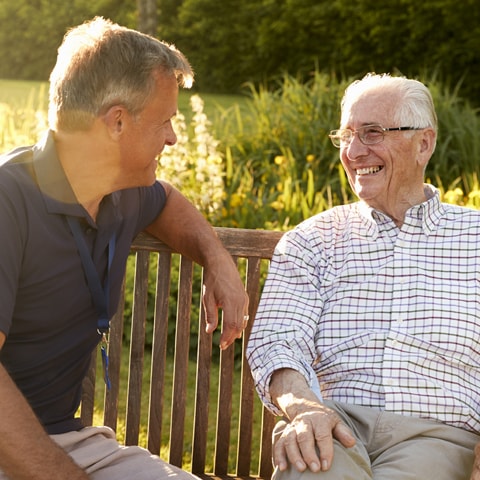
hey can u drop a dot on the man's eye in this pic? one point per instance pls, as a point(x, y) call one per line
point(373, 131)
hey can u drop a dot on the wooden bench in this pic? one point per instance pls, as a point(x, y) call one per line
point(234, 425)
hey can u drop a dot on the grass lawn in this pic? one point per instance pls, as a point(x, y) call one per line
point(20, 94)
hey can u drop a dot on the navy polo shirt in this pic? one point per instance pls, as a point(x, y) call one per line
point(47, 311)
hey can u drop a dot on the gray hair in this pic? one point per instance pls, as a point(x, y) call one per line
point(416, 108)
point(101, 64)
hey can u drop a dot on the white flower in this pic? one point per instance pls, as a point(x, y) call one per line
point(193, 165)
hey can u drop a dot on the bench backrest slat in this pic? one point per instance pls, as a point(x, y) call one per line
point(159, 353)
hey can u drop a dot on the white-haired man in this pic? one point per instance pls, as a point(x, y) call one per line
point(366, 339)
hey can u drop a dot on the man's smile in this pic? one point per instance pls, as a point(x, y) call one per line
point(368, 170)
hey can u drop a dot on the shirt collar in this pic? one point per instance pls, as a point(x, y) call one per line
point(57, 192)
point(429, 213)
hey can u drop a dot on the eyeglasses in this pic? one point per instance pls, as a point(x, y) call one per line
point(368, 134)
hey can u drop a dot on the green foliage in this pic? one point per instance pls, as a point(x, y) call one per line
point(217, 37)
point(455, 161)
point(281, 166)
point(33, 30)
point(23, 118)
point(194, 165)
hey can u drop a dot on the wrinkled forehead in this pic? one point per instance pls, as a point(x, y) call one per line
point(375, 105)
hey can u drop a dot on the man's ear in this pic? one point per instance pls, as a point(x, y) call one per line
point(428, 140)
point(426, 145)
point(114, 119)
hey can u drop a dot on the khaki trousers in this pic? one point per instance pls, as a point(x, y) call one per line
point(96, 450)
point(394, 447)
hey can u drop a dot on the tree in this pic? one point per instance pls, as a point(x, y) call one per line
point(217, 37)
point(147, 16)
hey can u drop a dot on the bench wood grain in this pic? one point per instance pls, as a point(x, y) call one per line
point(252, 250)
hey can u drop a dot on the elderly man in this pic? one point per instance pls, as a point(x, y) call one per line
point(70, 207)
point(367, 335)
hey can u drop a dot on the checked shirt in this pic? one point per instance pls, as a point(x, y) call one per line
point(385, 317)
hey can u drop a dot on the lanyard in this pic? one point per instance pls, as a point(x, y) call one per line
point(100, 295)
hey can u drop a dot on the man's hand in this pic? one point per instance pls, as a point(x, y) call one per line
point(224, 289)
point(312, 425)
point(476, 464)
point(298, 443)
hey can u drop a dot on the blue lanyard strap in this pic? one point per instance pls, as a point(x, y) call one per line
point(100, 295)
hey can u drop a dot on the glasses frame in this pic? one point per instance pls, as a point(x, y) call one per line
point(335, 135)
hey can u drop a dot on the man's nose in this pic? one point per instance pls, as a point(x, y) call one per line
point(171, 137)
point(355, 148)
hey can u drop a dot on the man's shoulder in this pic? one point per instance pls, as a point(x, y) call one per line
point(458, 217)
point(17, 155)
point(16, 168)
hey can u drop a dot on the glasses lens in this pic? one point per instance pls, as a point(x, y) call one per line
point(370, 134)
point(341, 137)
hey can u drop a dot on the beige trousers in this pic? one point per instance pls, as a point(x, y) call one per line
point(96, 450)
point(394, 447)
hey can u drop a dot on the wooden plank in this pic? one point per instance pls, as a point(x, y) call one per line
point(242, 242)
point(202, 396)
point(268, 422)
point(249, 243)
point(137, 342)
point(159, 353)
point(180, 374)
point(224, 408)
point(110, 414)
point(224, 411)
point(244, 455)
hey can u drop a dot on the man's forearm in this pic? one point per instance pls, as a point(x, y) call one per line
point(26, 450)
point(184, 228)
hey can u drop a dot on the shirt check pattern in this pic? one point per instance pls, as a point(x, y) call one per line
point(385, 317)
